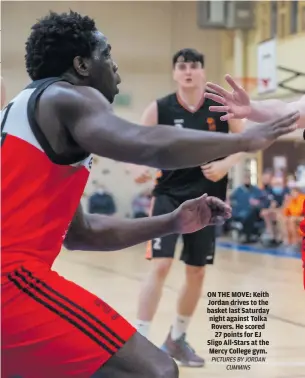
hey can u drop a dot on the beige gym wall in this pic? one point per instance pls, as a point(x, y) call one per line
point(144, 35)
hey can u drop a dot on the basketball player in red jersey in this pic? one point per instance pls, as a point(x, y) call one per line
point(185, 108)
point(51, 327)
point(237, 104)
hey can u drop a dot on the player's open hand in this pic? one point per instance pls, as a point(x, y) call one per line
point(195, 214)
point(236, 104)
point(263, 135)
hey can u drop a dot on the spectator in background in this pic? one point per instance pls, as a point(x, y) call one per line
point(291, 216)
point(141, 204)
point(266, 180)
point(300, 175)
point(101, 201)
point(291, 181)
point(247, 202)
point(276, 195)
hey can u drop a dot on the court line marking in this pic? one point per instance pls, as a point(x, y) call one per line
point(264, 251)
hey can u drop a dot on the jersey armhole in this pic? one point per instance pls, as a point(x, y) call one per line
point(40, 136)
point(162, 104)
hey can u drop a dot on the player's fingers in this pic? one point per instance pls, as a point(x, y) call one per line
point(218, 89)
point(202, 198)
point(219, 207)
point(233, 84)
point(206, 167)
point(216, 203)
point(227, 117)
point(286, 124)
point(217, 220)
point(219, 108)
point(228, 213)
point(201, 203)
point(215, 97)
point(287, 117)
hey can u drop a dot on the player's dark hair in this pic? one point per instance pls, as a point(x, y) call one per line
point(189, 55)
point(55, 41)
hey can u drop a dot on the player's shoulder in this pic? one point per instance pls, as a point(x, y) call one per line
point(168, 99)
point(161, 103)
point(63, 96)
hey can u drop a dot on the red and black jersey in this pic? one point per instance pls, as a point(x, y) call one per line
point(40, 192)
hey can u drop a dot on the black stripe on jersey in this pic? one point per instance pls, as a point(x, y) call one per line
point(6, 110)
point(23, 284)
point(62, 315)
point(3, 136)
point(68, 300)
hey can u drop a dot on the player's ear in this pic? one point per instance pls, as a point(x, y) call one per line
point(175, 73)
point(81, 65)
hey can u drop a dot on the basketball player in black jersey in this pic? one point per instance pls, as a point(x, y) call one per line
point(185, 109)
point(71, 66)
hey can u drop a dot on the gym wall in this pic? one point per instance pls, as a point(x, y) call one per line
point(143, 35)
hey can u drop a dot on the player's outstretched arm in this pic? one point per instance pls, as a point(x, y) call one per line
point(92, 232)
point(262, 111)
point(237, 104)
point(93, 125)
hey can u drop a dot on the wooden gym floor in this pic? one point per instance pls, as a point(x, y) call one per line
point(116, 277)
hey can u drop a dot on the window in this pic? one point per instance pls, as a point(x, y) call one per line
point(251, 166)
point(216, 11)
point(294, 5)
point(273, 21)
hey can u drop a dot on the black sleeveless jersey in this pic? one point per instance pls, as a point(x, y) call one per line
point(189, 183)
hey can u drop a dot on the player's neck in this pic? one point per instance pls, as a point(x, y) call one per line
point(71, 78)
point(191, 97)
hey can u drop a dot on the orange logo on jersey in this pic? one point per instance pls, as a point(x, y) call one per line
point(158, 175)
point(211, 123)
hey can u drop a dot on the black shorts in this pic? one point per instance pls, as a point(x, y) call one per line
point(198, 247)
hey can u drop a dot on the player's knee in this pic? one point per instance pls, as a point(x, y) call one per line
point(162, 268)
point(195, 273)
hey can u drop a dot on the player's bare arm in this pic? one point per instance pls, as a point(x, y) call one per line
point(94, 126)
point(214, 171)
point(101, 233)
point(96, 232)
point(237, 104)
point(150, 115)
point(262, 111)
